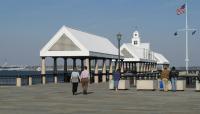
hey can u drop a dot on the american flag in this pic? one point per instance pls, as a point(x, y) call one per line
point(181, 10)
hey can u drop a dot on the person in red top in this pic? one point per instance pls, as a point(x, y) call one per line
point(85, 79)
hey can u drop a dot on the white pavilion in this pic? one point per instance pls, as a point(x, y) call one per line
point(74, 44)
point(139, 58)
point(161, 61)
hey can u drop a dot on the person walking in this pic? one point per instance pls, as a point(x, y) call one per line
point(85, 79)
point(116, 78)
point(173, 77)
point(74, 80)
point(165, 78)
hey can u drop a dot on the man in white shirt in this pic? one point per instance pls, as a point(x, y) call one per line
point(74, 80)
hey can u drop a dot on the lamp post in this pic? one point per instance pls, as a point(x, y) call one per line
point(119, 36)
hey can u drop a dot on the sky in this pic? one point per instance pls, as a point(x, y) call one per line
point(27, 25)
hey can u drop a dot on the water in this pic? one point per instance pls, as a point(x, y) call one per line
point(18, 73)
point(9, 77)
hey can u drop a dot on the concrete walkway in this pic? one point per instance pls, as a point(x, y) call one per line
point(58, 99)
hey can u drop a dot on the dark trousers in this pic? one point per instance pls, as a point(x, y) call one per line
point(74, 87)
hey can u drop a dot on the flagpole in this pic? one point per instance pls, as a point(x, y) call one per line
point(186, 37)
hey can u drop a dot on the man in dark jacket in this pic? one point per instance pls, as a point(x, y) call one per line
point(165, 78)
point(173, 77)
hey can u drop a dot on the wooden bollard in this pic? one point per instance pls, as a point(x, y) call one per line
point(96, 79)
point(55, 79)
point(30, 81)
point(43, 79)
point(18, 81)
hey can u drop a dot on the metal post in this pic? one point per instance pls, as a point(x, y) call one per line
point(119, 53)
point(119, 35)
point(186, 38)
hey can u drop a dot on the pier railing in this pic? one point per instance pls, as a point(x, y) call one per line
point(25, 80)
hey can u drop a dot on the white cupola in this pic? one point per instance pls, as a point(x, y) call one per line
point(136, 38)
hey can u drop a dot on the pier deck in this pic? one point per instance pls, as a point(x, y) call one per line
point(58, 99)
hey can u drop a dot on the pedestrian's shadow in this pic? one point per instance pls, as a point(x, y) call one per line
point(78, 93)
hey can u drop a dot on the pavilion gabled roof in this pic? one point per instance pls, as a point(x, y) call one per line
point(134, 53)
point(72, 42)
point(160, 59)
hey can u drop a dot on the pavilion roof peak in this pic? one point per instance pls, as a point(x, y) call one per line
point(73, 42)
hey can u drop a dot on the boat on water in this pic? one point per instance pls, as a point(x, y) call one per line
point(6, 67)
point(9, 68)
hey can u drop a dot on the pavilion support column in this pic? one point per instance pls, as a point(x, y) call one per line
point(116, 65)
point(144, 70)
point(82, 64)
point(96, 72)
point(145, 67)
point(137, 67)
point(110, 70)
point(150, 67)
point(155, 67)
point(126, 65)
point(74, 63)
point(132, 66)
point(55, 71)
point(140, 67)
point(104, 70)
point(66, 79)
point(140, 70)
point(87, 64)
point(122, 67)
point(43, 70)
